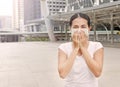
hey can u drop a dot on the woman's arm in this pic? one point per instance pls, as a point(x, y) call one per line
point(65, 63)
point(95, 64)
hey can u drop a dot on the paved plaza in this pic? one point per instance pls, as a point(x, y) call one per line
point(34, 64)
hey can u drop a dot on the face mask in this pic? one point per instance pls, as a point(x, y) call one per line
point(79, 30)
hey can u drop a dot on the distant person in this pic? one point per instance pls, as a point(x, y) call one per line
point(80, 61)
point(117, 36)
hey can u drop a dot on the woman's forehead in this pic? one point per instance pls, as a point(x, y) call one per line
point(79, 19)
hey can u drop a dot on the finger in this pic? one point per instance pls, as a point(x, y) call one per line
point(80, 35)
point(74, 37)
point(83, 35)
point(79, 39)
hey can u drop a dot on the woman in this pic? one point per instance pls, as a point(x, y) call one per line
point(80, 62)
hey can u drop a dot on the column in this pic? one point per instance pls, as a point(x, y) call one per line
point(112, 29)
point(34, 28)
point(61, 31)
point(94, 28)
point(30, 28)
point(49, 27)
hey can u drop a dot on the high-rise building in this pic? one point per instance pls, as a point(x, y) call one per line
point(5, 23)
point(24, 11)
point(18, 14)
point(32, 10)
point(78, 4)
point(54, 6)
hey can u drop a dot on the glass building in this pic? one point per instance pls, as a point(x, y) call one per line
point(55, 6)
point(78, 4)
point(24, 11)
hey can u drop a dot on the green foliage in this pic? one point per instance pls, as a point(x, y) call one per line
point(37, 39)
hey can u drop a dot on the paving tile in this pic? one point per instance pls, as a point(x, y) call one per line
point(34, 64)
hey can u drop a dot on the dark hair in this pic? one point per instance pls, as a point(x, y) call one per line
point(82, 15)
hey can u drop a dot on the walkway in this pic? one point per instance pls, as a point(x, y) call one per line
point(34, 64)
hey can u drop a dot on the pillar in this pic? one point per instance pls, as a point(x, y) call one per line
point(49, 27)
point(94, 28)
point(30, 28)
point(34, 28)
point(112, 29)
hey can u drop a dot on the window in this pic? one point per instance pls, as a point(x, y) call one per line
point(50, 9)
point(56, 28)
point(50, 5)
point(63, 6)
point(64, 3)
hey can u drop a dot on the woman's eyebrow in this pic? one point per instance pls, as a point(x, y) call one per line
point(75, 26)
point(83, 25)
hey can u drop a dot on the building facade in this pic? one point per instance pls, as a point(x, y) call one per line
point(18, 14)
point(78, 4)
point(55, 6)
point(28, 14)
point(32, 10)
point(24, 11)
point(5, 23)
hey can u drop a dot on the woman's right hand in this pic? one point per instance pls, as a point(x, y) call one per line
point(76, 40)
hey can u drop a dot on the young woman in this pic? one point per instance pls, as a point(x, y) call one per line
point(80, 62)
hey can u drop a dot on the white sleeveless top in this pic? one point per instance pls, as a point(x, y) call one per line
point(80, 75)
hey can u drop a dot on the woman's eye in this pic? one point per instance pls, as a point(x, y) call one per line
point(75, 28)
point(84, 28)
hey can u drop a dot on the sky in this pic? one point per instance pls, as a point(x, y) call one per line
point(6, 7)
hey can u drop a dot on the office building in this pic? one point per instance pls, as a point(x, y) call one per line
point(79, 4)
point(5, 23)
point(55, 6)
point(24, 11)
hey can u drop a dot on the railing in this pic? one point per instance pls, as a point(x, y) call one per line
point(43, 36)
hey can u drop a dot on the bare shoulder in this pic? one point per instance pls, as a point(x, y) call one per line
point(64, 48)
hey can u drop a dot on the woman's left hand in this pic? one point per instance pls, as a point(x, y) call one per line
point(83, 39)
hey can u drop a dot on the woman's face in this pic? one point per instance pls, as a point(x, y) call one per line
point(80, 23)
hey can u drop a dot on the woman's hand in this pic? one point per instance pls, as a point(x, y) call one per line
point(76, 40)
point(83, 39)
point(79, 39)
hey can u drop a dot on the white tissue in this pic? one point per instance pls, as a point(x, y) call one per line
point(79, 30)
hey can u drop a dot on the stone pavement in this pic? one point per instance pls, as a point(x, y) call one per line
point(34, 64)
point(114, 45)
